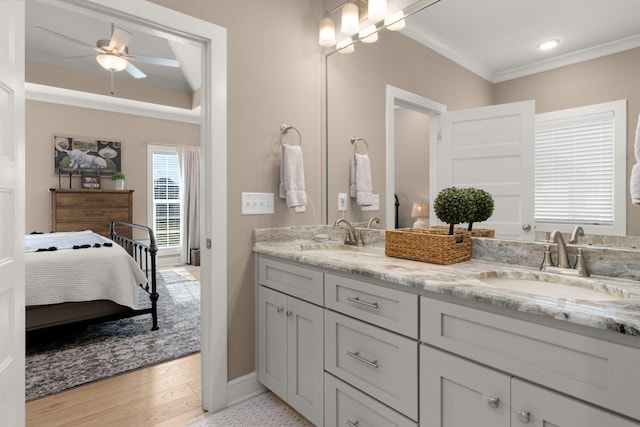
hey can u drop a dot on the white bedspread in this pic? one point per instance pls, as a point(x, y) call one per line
point(74, 275)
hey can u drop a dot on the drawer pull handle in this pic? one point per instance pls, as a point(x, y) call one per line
point(289, 313)
point(357, 300)
point(280, 309)
point(353, 423)
point(524, 416)
point(356, 355)
point(493, 402)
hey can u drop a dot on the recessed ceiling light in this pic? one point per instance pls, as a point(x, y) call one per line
point(548, 44)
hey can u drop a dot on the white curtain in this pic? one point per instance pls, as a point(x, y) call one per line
point(190, 171)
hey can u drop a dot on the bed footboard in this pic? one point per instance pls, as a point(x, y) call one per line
point(144, 252)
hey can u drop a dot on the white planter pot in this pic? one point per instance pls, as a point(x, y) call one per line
point(119, 184)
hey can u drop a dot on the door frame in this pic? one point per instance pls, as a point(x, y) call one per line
point(146, 16)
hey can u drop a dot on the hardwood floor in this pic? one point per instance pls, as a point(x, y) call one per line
point(167, 394)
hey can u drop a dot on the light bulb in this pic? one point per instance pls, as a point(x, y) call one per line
point(548, 44)
point(327, 36)
point(369, 34)
point(345, 45)
point(350, 19)
point(377, 10)
point(395, 22)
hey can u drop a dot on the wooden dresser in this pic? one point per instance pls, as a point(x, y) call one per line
point(77, 210)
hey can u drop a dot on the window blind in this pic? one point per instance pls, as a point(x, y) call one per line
point(574, 170)
point(167, 204)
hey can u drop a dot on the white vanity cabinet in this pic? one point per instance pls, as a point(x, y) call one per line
point(460, 393)
point(520, 373)
point(290, 341)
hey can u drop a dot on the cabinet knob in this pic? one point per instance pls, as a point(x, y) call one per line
point(524, 416)
point(280, 309)
point(289, 313)
point(526, 227)
point(353, 423)
point(493, 402)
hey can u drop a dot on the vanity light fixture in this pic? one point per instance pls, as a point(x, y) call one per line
point(350, 19)
point(395, 21)
point(327, 36)
point(377, 10)
point(112, 62)
point(369, 34)
point(420, 211)
point(345, 45)
point(548, 44)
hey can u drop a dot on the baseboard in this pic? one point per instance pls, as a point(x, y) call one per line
point(243, 388)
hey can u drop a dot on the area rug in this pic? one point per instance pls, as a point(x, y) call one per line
point(264, 410)
point(72, 356)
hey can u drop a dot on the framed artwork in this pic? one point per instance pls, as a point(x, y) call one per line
point(90, 180)
point(73, 155)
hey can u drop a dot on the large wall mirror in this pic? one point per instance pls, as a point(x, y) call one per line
point(357, 87)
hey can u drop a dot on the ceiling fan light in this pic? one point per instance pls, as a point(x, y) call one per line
point(377, 10)
point(350, 19)
point(112, 62)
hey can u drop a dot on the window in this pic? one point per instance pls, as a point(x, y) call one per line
point(166, 200)
point(580, 169)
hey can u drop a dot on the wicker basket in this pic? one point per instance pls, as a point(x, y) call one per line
point(432, 244)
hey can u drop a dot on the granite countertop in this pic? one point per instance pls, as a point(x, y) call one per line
point(616, 306)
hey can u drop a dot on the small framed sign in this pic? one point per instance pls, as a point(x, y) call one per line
point(90, 181)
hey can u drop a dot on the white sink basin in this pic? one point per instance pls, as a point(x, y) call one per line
point(549, 285)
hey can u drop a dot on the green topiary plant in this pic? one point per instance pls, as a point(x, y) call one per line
point(483, 205)
point(454, 206)
point(118, 176)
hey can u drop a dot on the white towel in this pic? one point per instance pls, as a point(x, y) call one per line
point(292, 176)
point(352, 178)
point(361, 174)
point(634, 184)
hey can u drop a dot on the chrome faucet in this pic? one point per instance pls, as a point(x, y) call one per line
point(374, 220)
point(575, 233)
point(563, 259)
point(351, 237)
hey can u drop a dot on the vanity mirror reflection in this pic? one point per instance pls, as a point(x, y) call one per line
point(357, 89)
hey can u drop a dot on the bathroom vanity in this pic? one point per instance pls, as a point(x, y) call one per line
point(348, 336)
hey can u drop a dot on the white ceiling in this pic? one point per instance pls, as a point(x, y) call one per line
point(43, 47)
point(497, 39)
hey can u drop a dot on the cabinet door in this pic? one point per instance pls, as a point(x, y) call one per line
point(537, 407)
point(305, 359)
point(272, 341)
point(457, 393)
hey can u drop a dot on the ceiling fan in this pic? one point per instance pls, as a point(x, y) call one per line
point(113, 54)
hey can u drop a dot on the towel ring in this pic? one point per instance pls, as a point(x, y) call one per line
point(284, 129)
point(355, 140)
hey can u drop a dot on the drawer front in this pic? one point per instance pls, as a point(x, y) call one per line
point(98, 199)
point(378, 362)
point(597, 371)
point(300, 282)
point(94, 215)
point(389, 308)
point(347, 406)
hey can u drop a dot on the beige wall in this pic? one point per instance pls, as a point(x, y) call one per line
point(605, 79)
point(356, 92)
point(44, 120)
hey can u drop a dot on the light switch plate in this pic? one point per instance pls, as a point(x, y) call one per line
point(257, 204)
point(342, 202)
point(374, 207)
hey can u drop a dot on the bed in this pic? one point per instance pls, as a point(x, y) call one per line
point(74, 277)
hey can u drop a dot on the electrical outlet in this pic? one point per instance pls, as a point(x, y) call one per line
point(257, 204)
point(375, 206)
point(342, 202)
point(299, 209)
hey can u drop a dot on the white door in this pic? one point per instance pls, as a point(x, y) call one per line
point(12, 147)
point(492, 148)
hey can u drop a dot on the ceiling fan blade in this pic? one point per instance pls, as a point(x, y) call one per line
point(119, 39)
point(78, 58)
point(157, 60)
point(135, 71)
point(62, 36)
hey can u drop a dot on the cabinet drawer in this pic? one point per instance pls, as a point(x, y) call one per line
point(378, 362)
point(89, 199)
point(597, 371)
point(93, 214)
point(345, 406)
point(300, 282)
point(389, 308)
